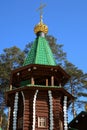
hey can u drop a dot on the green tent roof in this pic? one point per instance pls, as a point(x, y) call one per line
point(40, 53)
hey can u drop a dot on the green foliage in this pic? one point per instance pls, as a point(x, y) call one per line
point(10, 59)
point(3, 119)
point(57, 50)
point(76, 85)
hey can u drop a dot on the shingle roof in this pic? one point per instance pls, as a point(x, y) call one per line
point(40, 53)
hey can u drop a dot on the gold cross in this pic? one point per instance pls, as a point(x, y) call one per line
point(41, 11)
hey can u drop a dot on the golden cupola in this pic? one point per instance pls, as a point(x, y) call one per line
point(41, 27)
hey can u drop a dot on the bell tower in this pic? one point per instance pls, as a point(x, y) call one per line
point(38, 99)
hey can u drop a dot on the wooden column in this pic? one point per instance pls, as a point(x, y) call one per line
point(0, 120)
point(60, 85)
point(46, 82)
point(10, 86)
point(52, 80)
point(32, 81)
point(26, 115)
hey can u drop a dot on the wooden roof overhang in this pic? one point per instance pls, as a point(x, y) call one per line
point(38, 72)
point(30, 88)
point(79, 120)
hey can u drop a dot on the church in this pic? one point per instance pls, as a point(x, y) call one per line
point(37, 99)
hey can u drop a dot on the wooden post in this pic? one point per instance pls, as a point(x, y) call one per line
point(60, 85)
point(0, 121)
point(52, 80)
point(32, 81)
point(10, 87)
point(46, 82)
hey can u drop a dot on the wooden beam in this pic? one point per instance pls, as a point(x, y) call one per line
point(32, 81)
point(46, 82)
point(52, 80)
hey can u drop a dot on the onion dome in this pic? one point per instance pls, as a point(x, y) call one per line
point(41, 27)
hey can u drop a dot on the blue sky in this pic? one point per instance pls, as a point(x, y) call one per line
point(66, 19)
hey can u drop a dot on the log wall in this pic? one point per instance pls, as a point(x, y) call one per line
point(57, 109)
point(25, 109)
point(42, 108)
point(28, 110)
point(11, 102)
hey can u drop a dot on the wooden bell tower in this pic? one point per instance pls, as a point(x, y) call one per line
point(38, 100)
